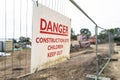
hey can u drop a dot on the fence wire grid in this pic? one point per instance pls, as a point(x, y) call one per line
point(15, 63)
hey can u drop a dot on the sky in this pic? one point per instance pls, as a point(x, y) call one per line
point(104, 12)
point(18, 17)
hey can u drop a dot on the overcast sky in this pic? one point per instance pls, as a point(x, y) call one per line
point(106, 13)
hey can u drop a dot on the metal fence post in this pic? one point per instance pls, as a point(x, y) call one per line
point(97, 66)
point(96, 31)
point(109, 44)
point(5, 40)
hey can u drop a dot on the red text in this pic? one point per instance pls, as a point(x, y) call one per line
point(49, 27)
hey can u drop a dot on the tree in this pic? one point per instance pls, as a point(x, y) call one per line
point(73, 36)
point(14, 40)
point(24, 40)
point(27, 40)
point(85, 31)
point(103, 34)
point(72, 32)
point(117, 34)
point(112, 31)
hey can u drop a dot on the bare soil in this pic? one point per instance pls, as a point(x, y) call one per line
point(80, 64)
point(113, 68)
point(15, 65)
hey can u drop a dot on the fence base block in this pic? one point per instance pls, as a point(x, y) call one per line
point(93, 77)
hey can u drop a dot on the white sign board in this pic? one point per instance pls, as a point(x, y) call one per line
point(50, 38)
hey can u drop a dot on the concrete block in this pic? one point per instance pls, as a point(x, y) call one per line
point(93, 77)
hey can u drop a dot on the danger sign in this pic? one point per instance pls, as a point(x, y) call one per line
point(50, 27)
point(50, 38)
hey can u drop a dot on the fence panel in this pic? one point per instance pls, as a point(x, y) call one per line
point(16, 63)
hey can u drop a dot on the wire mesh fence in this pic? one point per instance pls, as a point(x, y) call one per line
point(15, 53)
point(105, 48)
point(15, 62)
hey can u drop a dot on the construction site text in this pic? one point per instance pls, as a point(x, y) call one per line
point(51, 40)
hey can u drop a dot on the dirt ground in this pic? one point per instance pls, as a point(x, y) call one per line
point(113, 68)
point(15, 65)
point(80, 64)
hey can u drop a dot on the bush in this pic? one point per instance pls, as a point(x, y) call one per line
point(73, 37)
point(117, 39)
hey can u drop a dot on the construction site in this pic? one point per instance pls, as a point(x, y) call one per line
point(42, 43)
